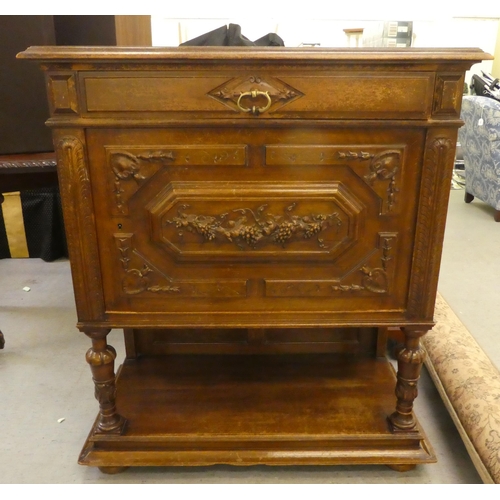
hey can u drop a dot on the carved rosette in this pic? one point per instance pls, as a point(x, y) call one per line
point(255, 228)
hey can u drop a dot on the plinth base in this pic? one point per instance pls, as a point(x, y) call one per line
point(311, 409)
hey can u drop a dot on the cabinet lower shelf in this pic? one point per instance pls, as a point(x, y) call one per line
point(310, 409)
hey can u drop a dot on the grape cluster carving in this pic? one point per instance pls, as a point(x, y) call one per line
point(254, 228)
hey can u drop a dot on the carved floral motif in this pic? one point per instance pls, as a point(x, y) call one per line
point(255, 228)
point(383, 167)
point(126, 166)
point(138, 280)
point(373, 280)
point(407, 390)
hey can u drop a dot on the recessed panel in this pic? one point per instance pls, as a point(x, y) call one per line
point(253, 221)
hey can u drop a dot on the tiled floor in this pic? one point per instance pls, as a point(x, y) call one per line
point(44, 377)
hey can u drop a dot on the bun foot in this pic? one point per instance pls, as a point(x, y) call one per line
point(112, 470)
point(401, 467)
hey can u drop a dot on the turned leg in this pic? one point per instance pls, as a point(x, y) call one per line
point(101, 358)
point(410, 360)
point(468, 197)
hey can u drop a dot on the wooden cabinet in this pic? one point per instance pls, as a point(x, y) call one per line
point(251, 218)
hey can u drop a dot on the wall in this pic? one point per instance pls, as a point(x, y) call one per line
point(85, 30)
point(465, 25)
point(23, 98)
point(496, 63)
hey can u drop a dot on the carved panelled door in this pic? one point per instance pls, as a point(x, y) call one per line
point(261, 220)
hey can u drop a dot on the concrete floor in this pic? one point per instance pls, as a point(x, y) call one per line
point(44, 377)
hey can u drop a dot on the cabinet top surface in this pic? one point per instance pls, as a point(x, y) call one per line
point(235, 54)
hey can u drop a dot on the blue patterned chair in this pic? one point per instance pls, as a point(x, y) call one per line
point(480, 141)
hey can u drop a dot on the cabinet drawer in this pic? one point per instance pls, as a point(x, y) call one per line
point(338, 94)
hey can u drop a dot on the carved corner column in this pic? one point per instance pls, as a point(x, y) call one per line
point(101, 358)
point(410, 360)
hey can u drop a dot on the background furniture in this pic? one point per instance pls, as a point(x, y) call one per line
point(261, 207)
point(27, 160)
point(480, 140)
point(16, 172)
point(28, 171)
point(31, 222)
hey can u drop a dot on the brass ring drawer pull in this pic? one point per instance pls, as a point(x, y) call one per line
point(254, 110)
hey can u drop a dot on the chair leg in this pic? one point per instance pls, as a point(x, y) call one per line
point(468, 197)
point(497, 215)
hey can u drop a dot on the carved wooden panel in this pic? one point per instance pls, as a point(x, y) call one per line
point(371, 276)
point(379, 167)
point(62, 92)
point(448, 94)
point(139, 276)
point(131, 167)
point(255, 221)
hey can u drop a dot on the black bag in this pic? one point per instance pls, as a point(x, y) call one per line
point(485, 85)
point(231, 36)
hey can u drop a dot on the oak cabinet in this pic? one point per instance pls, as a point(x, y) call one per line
point(252, 218)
